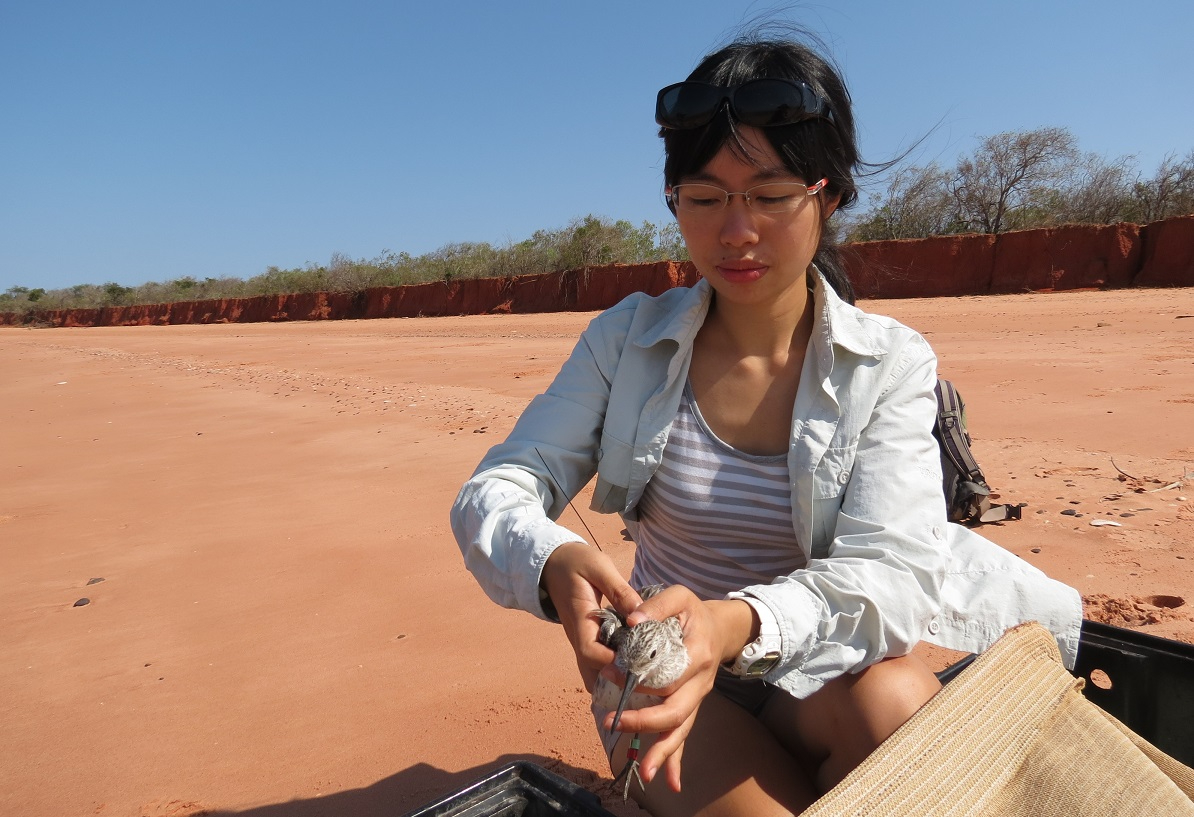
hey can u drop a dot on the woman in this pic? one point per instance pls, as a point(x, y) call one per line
point(769, 448)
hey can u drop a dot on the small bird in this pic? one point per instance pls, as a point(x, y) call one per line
point(651, 653)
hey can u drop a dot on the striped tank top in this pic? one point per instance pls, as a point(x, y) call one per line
point(713, 518)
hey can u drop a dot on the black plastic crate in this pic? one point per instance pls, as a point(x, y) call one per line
point(1151, 683)
point(521, 789)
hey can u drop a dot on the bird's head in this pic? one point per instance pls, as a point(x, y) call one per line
point(653, 652)
point(650, 653)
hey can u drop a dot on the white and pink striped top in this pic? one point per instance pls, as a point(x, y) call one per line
point(713, 518)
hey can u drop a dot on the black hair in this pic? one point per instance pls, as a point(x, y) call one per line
point(813, 149)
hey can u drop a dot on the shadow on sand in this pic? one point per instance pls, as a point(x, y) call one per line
point(420, 785)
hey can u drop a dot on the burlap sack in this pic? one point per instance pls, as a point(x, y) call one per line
point(1013, 736)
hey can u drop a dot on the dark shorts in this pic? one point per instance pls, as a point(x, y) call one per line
point(751, 694)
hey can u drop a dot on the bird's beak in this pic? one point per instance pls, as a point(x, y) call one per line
point(631, 683)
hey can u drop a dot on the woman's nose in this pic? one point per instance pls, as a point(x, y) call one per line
point(738, 227)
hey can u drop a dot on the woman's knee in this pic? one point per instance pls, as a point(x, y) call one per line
point(837, 727)
point(887, 694)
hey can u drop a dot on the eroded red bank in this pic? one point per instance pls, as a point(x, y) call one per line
point(1056, 258)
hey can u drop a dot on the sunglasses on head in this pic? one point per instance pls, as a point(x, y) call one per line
point(761, 103)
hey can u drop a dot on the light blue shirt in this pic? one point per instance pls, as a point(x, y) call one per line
point(885, 567)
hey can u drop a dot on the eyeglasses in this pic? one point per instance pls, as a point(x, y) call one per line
point(773, 197)
point(761, 103)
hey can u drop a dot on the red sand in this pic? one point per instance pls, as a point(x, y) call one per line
point(284, 625)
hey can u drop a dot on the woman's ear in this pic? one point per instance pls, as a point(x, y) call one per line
point(831, 203)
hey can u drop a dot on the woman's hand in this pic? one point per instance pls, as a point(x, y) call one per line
point(714, 632)
point(579, 580)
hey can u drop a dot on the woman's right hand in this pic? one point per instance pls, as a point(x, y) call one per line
point(581, 579)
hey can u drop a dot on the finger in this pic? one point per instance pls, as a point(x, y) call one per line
point(587, 566)
point(593, 658)
point(611, 672)
point(667, 752)
point(616, 590)
point(670, 714)
point(672, 601)
point(672, 767)
point(595, 654)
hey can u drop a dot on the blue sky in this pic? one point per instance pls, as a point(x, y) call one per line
point(148, 141)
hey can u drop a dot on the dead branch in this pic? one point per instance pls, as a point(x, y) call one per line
point(1122, 471)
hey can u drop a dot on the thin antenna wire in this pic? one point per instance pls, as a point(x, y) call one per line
point(570, 505)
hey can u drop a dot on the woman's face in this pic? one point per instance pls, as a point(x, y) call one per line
point(751, 257)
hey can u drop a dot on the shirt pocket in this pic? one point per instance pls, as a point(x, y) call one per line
point(831, 477)
point(614, 459)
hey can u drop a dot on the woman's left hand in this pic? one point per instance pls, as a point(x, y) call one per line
point(714, 631)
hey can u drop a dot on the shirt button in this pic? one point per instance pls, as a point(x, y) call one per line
point(843, 477)
point(934, 627)
point(936, 531)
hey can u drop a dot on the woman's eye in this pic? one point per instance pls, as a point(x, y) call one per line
point(781, 196)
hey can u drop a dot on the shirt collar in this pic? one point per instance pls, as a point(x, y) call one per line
point(684, 320)
point(838, 323)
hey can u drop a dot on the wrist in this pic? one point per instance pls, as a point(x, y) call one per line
point(553, 568)
point(559, 564)
point(737, 625)
point(765, 650)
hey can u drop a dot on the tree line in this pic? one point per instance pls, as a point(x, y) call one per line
point(586, 242)
point(1022, 180)
point(1013, 181)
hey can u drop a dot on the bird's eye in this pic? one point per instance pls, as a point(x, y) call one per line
point(653, 653)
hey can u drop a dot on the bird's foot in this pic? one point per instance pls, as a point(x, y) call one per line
point(630, 772)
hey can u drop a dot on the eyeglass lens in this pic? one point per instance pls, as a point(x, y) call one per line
point(775, 197)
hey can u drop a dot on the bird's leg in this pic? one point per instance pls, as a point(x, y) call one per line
point(630, 770)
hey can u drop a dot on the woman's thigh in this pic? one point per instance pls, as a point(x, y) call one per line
point(834, 729)
point(731, 765)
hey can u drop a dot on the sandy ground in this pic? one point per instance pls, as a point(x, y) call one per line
point(279, 620)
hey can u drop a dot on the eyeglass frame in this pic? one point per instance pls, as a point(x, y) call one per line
point(671, 197)
point(812, 104)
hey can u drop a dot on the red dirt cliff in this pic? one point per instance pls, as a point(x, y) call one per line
point(1057, 258)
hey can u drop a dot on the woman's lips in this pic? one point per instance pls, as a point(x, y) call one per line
point(741, 272)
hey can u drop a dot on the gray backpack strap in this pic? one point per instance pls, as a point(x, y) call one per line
point(966, 491)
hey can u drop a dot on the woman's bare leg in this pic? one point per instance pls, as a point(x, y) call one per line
point(732, 765)
point(837, 727)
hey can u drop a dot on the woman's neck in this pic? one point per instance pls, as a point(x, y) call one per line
point(771, 330)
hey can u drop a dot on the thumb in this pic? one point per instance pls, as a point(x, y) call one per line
point(617, 591)
point(671, 601)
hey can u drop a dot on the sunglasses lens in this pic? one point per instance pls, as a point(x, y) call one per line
point(762, 103)
point(768, 102)
point(687, 104)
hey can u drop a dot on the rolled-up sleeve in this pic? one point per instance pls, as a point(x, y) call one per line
point(880, 585)
point(503, 517)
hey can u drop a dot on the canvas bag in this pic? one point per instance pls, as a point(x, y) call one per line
point(1013, 736)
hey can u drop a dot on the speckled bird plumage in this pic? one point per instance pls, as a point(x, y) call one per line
point(651, 653)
